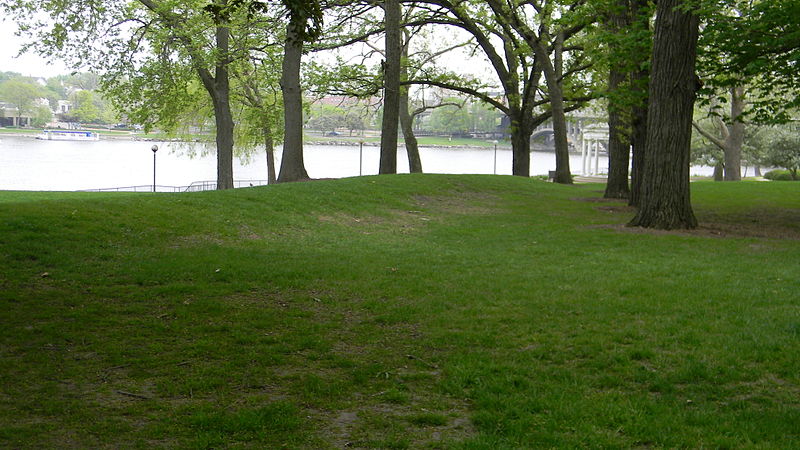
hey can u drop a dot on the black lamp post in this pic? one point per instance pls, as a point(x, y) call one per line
point(495, 157)
point(360, 156)
point(154, 148)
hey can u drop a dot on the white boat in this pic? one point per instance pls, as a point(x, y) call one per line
point(68, 135)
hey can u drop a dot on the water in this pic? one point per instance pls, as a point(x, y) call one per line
point(30, 164)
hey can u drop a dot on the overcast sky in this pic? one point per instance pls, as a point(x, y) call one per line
point(28, 64)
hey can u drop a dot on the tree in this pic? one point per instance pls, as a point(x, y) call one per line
point(731, 134)
point(144, 52)
point(21, 94)
point(509, 36)
point(755, 42)
point(42, 115)
point(782, 148)
point(391, 88)
point(452, 117)
point(305, 22)
point(665, 197)
point(84, 108)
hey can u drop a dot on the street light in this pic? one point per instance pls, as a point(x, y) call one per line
point(495, 156)
point(154, 148)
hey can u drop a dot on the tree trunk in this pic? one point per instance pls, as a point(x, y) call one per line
point(292, 165)
point(269, 148)
point(520, 146)
point(391, 88)
point(618, 140)
point(222, 111)
point(665, 195)
point(719, 170)
point(406, 119)
point(618, 147)
point(551, 75)
point(735, 140)
point(639, 81)
point(638, 141)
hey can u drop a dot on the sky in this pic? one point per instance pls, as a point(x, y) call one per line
point(28, 64)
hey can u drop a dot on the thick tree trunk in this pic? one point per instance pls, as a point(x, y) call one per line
point(618, 147)
point(269, 148)
point(618, 138)
point(735, 140)
point(407, 125)
point(406, 119)
point(391, 88)
point(719, 170)
point(222, 111)
point(638, 141)
point(292, 165)
point(665, 195)
point(520, 146)
point(551, 72)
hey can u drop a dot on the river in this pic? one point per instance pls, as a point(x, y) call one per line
point(30, 164)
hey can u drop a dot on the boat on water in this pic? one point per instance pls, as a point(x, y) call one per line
point(68, 135)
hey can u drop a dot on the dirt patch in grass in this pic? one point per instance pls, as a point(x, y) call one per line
point(600, 200)
point(196, 240)
point(718, 230)
point(755, 223)
point(465, 203)
point(375, 424)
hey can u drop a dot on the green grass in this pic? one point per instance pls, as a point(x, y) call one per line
point(411, 311)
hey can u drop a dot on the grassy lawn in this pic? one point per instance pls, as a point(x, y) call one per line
point(411, 311)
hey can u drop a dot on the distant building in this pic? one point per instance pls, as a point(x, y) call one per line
point(9, 116)
point(63, 107)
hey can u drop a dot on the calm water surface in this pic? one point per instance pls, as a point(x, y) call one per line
point(30, 164)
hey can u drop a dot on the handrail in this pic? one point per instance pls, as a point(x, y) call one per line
point(196, 186)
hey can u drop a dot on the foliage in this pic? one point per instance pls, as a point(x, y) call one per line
point(780, 147)
point(780, 175)
point(767, 60)
point(21, 93)
point(453, 118)
point(42, 115)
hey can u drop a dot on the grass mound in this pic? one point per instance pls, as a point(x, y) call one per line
point(414, 311)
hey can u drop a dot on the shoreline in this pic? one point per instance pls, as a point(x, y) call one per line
point(342, 143)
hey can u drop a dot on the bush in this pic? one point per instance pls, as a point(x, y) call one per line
point(779, 175)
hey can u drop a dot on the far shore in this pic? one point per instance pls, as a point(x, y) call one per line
point(460, 143)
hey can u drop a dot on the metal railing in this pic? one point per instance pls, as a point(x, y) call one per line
point(196, 186)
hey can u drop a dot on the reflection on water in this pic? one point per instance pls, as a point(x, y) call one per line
point(29, 164)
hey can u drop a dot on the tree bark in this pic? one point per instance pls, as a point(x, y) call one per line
point(406, 119)
point(618, 137)
point(269, 148)
point(292, 165)
point(552, 75)
point(719, 171)
point(665, 193)
point(735, 138)
point(391, 88)
point(618, 147)
point(222, 113)
point(520, 145)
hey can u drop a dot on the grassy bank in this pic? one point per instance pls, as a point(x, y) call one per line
point(398, 312)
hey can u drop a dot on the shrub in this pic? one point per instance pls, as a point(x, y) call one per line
point(779, 175)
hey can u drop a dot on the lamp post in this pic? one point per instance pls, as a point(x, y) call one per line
point(495, 156)
point(360, 156)
point(154, 148)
